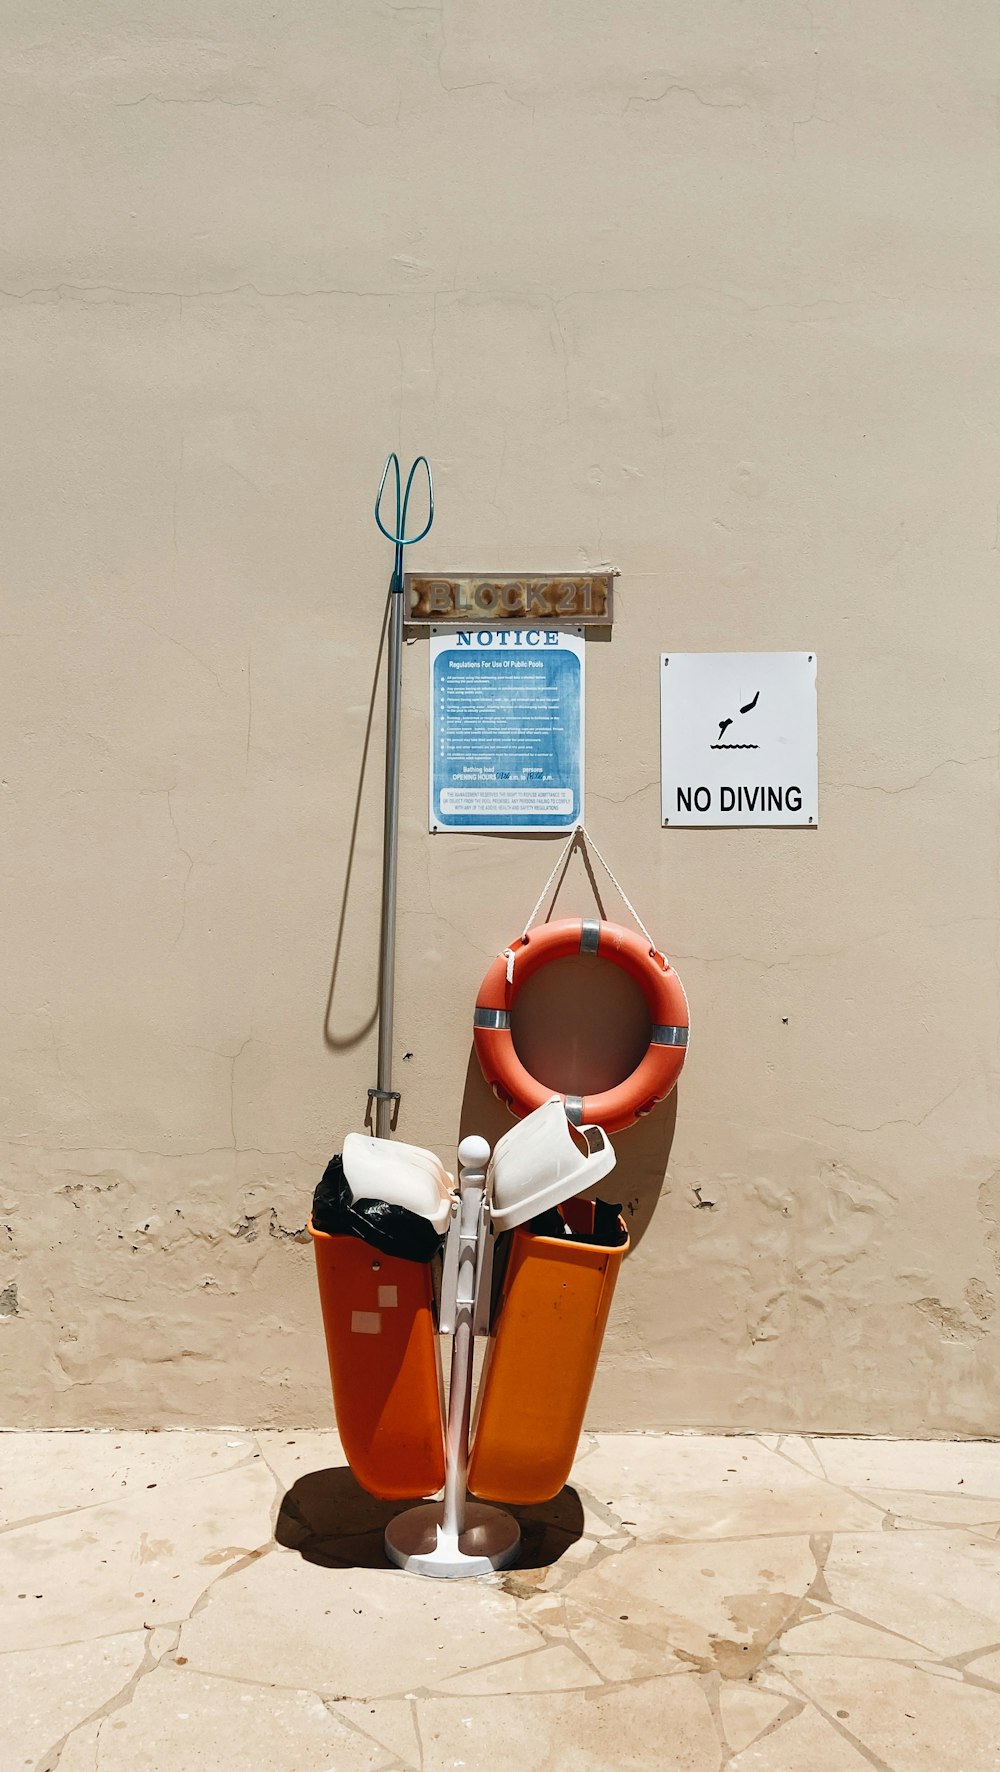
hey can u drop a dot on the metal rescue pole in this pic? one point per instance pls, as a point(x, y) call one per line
point(386, 1098)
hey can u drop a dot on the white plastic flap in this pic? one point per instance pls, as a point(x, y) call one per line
point(400, 1174)
point(538, 1164)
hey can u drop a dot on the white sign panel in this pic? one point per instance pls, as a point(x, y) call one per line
point(738, 738)
point(506, 730)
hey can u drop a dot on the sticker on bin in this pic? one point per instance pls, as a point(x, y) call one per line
point(366, 1323)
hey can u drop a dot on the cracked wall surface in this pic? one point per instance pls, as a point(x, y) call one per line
point(706, 295)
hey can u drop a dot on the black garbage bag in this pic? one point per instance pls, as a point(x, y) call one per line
point(607, 1232)
point(391, 1229)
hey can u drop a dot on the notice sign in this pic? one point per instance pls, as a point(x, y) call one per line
point(738, 738)
point(506, 730)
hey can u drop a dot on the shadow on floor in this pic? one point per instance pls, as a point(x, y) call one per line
point(329, 1519)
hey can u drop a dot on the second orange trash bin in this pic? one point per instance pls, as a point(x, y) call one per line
point(541, 1360)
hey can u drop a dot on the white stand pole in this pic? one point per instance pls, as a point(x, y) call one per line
point(457, 1537)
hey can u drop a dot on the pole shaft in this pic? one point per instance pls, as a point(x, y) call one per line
point(390, 851)
point(460, 1398)
point(459, 1411)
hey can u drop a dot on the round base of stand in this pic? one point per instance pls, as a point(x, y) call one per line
point(416, 1541)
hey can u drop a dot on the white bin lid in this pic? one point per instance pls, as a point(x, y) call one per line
point(538, 1164)
point(401, 1175)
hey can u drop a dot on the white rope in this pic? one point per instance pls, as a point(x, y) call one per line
point(543, 895)
point(629, 906)
point(580, 831)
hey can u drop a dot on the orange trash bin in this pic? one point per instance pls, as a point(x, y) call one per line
point(540, 1361)
point(381, 1338)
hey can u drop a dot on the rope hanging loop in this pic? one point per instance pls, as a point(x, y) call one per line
point(669, 1018)
point(581, 834)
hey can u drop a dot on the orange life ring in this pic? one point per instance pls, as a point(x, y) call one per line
point(656, 1073)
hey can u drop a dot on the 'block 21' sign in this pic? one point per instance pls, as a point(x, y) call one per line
point(475, 599)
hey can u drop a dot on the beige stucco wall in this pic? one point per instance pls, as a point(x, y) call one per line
point(707, 292)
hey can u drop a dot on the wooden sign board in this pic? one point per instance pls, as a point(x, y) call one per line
point(478, 599)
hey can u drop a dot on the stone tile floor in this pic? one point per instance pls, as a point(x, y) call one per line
point(219, 1602)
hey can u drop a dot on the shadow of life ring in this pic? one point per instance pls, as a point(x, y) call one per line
point(657, 1071)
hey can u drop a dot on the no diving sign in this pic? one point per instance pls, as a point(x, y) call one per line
point(738, 738)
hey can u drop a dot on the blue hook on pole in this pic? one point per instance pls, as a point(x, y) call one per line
point(398, 535)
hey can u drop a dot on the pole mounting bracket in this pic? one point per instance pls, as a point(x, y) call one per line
point(377, 1095)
